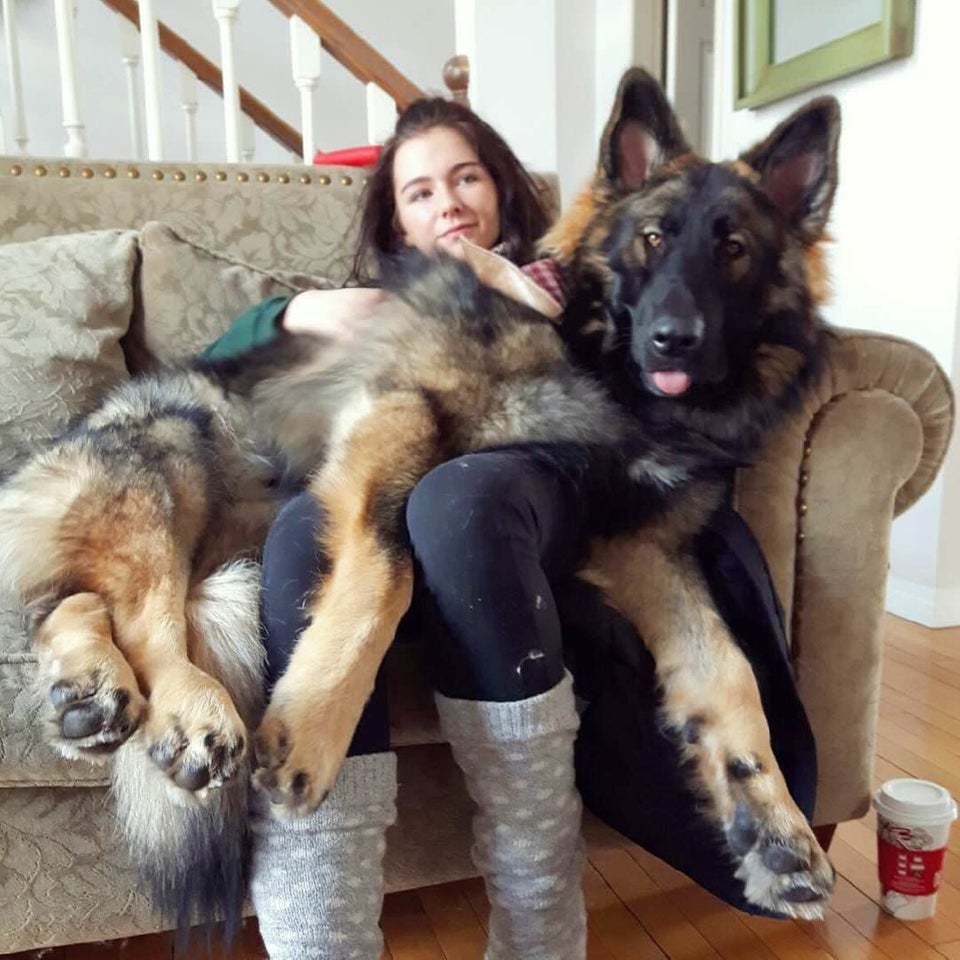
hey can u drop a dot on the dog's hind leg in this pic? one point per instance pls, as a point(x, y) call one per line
point(712, 704)
point(193, 731)
point(92, 702)
point(316, 704)
point(134, 547)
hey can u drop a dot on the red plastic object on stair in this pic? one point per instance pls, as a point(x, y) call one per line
point(349, 157)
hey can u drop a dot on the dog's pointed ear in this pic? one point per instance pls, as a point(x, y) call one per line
point(797, 164)
point(642, 132)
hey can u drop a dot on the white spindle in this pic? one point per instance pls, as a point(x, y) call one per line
point(13, 74)
point(150, 49)
point(188, 101)
point(130, 50)
point(305, 54)
point(67, 53)
point(381, 114)
point(248, 138)
point(225, 12)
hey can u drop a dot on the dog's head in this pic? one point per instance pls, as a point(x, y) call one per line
point(698, 278)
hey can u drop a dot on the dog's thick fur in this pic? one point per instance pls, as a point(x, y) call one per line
point(693, 329)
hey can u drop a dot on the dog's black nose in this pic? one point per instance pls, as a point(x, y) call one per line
point(677, 336)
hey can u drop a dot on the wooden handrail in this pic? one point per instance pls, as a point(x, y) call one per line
point(351, 50)
point(209, 73)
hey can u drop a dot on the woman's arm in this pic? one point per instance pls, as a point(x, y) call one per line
point(253, 328)
point(337, 314)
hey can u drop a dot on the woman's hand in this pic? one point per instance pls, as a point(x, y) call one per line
point(338, 314)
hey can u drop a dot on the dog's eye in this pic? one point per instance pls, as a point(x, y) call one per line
point(652, 238)
point(733, 247)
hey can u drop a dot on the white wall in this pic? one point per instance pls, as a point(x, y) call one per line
point(544, 73)
point(575, 94)
point(515, 63)
point(417, 36)
point(896, 260)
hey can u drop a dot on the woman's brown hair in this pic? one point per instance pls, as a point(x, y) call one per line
point(523, 217)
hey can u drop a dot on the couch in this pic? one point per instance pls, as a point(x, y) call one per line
point(109, 268)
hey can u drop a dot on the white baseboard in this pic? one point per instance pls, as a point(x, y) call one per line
point(930, 606)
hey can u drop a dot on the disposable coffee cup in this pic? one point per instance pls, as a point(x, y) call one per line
point(913, 825)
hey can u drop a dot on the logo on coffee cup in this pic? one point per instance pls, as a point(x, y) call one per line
point(908, 838)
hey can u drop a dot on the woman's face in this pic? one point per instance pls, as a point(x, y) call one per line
point(443, 192)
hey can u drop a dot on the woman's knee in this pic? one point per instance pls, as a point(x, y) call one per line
point(495, 507)
point(474, 497)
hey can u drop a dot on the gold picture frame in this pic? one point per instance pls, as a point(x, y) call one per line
point(759, 80)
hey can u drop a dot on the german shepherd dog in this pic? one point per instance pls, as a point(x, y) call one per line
point(692, 331)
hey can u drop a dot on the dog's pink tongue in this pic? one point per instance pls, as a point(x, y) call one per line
point(671, 382)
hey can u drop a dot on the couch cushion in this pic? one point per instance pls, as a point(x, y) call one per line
point(65, 302)
point(190, 293)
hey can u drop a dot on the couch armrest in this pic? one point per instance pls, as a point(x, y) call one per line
point(820, 499)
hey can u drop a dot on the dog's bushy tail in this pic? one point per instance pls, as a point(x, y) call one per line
point(191, 849)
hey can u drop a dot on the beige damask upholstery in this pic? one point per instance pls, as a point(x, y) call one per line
point(66, 303)
point(208, 242)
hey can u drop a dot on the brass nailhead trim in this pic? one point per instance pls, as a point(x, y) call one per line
point(157, 174)
point(804, 479)
point(807, 450)
point(63, 173)
point(323, 180)
point(200, 176)
point(16, 170)
point(263, 178)
point(40, 171)
point(86, 173)
point(305, 178)
point(801, 536)
point(803, 509)
point(133, 173)
point(346, 181)
point(220, 176)
point(179, 176)
point(243, 177)
point(109, 173)
point(282, 178)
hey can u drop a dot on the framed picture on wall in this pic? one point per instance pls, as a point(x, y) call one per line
point(785, 46)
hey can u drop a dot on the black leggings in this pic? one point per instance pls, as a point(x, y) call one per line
point(495, 536)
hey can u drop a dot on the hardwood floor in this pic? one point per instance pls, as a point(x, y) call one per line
point(641, 909)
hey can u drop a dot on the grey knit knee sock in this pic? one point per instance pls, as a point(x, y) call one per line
point(317, 881)
point(518, 763)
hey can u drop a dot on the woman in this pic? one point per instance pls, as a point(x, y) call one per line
point(496, 537)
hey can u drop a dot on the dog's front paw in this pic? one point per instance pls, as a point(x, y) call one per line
point(194, 733)
point(299, 750)
point(782, 866)
point(92, 702)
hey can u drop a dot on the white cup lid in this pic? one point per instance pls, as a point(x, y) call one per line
point(915, 799)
